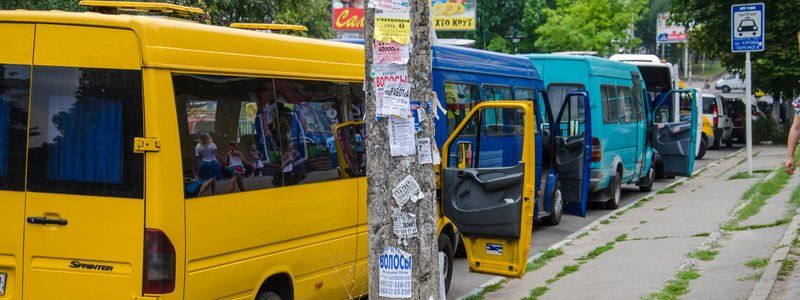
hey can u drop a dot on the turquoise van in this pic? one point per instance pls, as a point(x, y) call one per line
point(624, 135)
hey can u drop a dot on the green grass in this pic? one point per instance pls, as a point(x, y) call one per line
point(582, 235)
point(787, 265)
point(543, 259)
point(676, 287)
point(486, 290)
point(662, 208)
point(702, 234)
point(778, 222)
point(621, 238)
point(757, 263)
point(704, 255)
point(568, 269)
point(669, 190)
point(642, 221)
point(740, 175)
point(537, 292)
point(605, 222)
point(757, 196)
point(599, 250)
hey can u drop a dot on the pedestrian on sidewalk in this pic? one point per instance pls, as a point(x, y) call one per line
point(794, 135)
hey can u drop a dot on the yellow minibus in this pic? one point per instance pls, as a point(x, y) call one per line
point(155, 158)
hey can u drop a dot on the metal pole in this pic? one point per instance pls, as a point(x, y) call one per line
point(749, 120)
point(686, 61)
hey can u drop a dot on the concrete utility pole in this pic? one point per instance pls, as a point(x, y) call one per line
point(385, 172)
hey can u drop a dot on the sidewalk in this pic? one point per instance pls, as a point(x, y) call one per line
point(708, 237)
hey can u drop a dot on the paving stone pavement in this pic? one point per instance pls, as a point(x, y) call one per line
point(659, 235)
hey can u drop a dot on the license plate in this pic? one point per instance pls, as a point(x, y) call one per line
point(3, 283)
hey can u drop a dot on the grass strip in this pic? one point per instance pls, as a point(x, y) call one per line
point(787, 265)
point(757, 196)
point(757, 263)
point(537, 292)
point(676, 287)
point(543, 259)
point(486, 290)
point(568, 269)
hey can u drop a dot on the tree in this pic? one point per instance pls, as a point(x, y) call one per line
point(314, 14)
point(646, 27)
point(776, 69)
point(590, 25)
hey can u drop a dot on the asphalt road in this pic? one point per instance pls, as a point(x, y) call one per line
point(543, 236)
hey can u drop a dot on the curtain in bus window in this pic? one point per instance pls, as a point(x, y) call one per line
point(557, 92)
point(83, 122)
point(627, 108)
point(88, 147)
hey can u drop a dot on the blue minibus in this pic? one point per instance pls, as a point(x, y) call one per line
point(624, 135)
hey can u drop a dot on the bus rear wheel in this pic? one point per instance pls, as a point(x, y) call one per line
point(268, 296)
point(446, 247)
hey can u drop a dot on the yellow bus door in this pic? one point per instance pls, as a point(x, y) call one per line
point(16, 57)
point(84, 212)
point(488, 184)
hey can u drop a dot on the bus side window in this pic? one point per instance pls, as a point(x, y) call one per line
point(229, 129)
point(610, 104)
point(459, 100)
point(627, 108)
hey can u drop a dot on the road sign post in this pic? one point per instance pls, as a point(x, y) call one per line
point(747, 35)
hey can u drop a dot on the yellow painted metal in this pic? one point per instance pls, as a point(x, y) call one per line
point(148, 7)
point(12, 203)
point(274, 27)
point(82, 46)
point(513, 261)
point(18, 48)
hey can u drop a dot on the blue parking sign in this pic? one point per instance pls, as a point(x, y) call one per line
point(747, 27)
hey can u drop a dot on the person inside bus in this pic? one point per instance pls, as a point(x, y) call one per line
point(207, 163)
point(236, 162)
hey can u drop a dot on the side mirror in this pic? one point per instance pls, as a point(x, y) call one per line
point(464, 155)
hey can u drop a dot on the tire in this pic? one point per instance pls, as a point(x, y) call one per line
point(446, 246)
point(264, 295)
point(615, 191)
point(717, 141)
point(726, 89)
point(703, 149)
point(651, 177)
point(556, 207)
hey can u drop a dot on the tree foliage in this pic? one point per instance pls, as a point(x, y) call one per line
point(775, 70)
point(590, 25)
point(314, 14)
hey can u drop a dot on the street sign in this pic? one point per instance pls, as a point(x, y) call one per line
point(747, 27)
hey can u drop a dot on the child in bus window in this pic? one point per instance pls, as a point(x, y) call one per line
point(258, 165)
point(207, 163)
point(236, 162)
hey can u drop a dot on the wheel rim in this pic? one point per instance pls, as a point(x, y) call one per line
point(618, 192)
point(446, 263)
point(558, 204)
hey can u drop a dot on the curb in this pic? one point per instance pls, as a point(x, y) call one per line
point(764, 286)
point(597, 222)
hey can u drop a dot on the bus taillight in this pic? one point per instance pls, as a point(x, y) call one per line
point(596, 151)
point(159, 263)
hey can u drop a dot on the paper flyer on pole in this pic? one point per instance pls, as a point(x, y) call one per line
point(395, 276)
point(402, 137)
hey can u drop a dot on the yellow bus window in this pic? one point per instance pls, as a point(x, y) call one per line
point(14, 91)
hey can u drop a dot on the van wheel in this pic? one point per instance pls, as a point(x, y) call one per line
point(556, 207)
point(729, 142)
point(650, 179)
point(726, 89)
point(615, 189)
point(267, 296)
point(447, 247)
point(717, 141)
point(703, 148)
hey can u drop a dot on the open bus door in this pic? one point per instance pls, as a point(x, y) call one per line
point(676, 141)
point(488, 185)
point(574, 151)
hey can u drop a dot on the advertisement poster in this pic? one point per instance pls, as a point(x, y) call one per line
point(348, 15)
point(448, 15)
point(454, 14)
point(395, 274)
point(667, 32)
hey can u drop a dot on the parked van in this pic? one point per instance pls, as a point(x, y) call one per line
point(145, 157)
point(621, 151)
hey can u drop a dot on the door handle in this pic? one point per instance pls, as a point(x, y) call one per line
point(45, 221)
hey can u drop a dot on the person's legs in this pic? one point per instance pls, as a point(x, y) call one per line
point(240, 183)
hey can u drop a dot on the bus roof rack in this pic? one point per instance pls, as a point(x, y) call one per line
point(270, 27)
point(588, 53)
point(114, 7)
